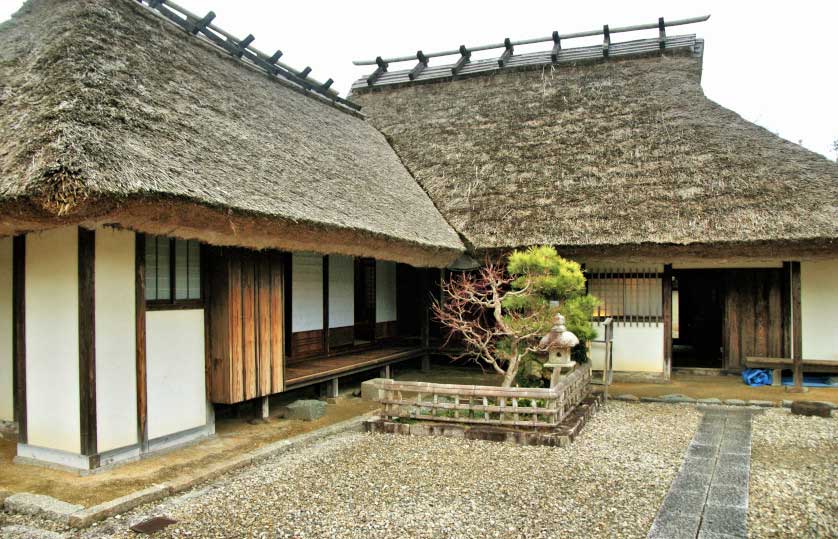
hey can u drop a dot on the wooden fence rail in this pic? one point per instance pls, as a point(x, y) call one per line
point(486, 405)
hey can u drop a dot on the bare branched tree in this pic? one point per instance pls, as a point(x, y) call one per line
point(473, 311)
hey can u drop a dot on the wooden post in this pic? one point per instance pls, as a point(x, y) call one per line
point(666, 282)
point(139, 313)
point(266, 407)
point(19, 334)
point(797, 330)
point(87, 340)
point(385, 372)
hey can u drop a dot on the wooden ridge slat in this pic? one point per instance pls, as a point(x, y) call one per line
point(576, 54)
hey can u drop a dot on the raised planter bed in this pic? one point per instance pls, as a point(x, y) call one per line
point(530, 416)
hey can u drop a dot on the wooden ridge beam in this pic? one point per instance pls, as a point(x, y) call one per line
point(241, 49)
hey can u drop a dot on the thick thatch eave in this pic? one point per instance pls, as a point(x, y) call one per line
point(620, 152)
point(109, 113)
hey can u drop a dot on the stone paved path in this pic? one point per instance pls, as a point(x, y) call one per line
point(709, 497)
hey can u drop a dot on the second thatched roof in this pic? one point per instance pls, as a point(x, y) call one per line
point(111, 114)
point(612, 153)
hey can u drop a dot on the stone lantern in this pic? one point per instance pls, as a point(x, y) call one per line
point(558, 344)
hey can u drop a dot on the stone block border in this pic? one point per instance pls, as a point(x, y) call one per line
point(78, 517)
point(676, 398)
point(561, 436)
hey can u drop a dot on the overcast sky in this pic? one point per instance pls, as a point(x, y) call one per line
point(772, 62)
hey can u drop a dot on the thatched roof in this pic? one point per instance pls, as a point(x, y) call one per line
point(111, 114)
point(610, 153)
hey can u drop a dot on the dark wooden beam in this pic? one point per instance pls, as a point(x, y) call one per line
point(661, 33)
point(785, 302)
point(380, 70)
point(238, 49)
point(606, 41)
point(326, 304)
point(87, 340)
point(198, 26)
point(666, 281)
point(287, 263)
point(139, 313)
point(797, 329)
point(418, 68)
point(465, 57)
point(19, 334)
point(507, 53)
point(557, 47)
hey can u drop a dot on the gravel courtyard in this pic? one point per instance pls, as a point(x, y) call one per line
point(794, 473)
point(609, 483)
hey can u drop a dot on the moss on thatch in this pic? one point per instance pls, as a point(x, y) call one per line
point(108, 111)
point(613, 153)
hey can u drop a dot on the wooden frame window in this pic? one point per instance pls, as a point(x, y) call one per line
point(172, 273)
point(633, 296)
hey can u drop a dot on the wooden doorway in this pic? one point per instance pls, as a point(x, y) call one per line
point(364, 301)
point(698, 300)
point(725, 315)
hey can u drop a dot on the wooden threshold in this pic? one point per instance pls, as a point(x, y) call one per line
point(317, 369)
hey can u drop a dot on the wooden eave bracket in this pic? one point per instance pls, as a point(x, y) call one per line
point(507, 54)
point(418, 68)
point(382, 68)
point(465, 57)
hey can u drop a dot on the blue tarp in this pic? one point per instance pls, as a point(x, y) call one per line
point(757, 377)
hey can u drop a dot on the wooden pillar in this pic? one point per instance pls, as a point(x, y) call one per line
point(425, 319)
point(325, 333)
point(385, 372)
point(87, 341)
point(796, 330)
point(19, 334)
point(266, 407)
point(139, 313)
point(666, 282)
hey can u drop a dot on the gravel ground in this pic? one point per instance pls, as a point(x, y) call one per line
point(794, 473)
point(609, 483)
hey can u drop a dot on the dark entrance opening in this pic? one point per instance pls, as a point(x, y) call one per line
point(721, 317)
point(698, 319)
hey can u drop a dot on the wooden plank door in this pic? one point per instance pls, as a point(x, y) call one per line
point(754, 315)
point(246, 324)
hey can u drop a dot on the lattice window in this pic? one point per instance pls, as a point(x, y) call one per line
point(632, 296)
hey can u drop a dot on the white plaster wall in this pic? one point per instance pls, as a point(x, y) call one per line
point(175, 371)
point(116, 347)
point(341, 291)
point(306, 292)
point(52, 339)
point(6, 369)
point(385, 291)
point(819, 308)
point(637, 348)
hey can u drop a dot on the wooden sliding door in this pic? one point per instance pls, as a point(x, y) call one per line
point(755, 315)
point(245, 321)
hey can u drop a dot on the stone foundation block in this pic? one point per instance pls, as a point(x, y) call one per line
point(306, 409)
